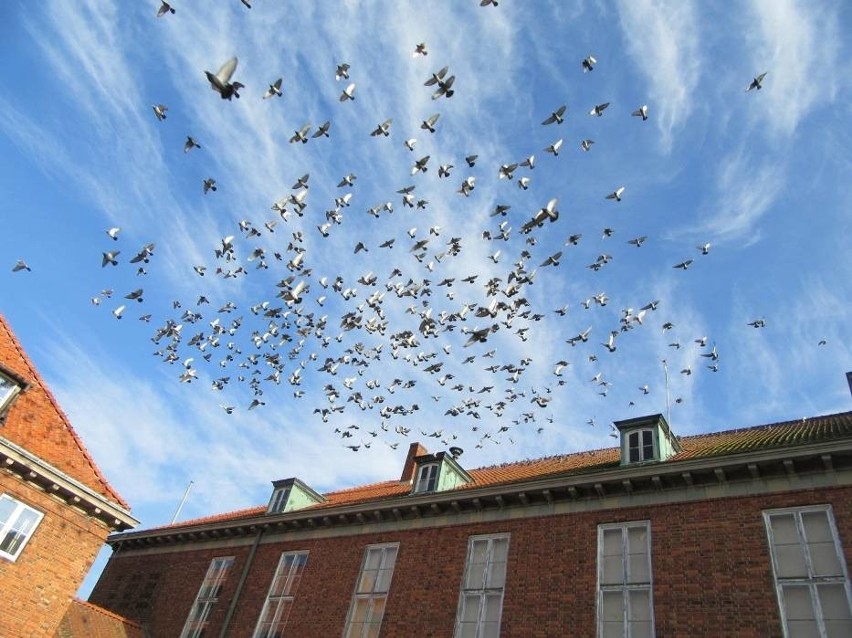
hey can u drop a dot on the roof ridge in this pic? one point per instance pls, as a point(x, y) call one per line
point(43, 387)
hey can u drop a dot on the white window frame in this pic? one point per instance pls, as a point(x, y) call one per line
point(427, 477)
point(482, 583)
point(279, 499)
point(640, 447)
point(15, 532)
point(632, 582)
point(276, 609)
point(207, 597)
point(809, 555)
point(9, 389)
point(369, 599)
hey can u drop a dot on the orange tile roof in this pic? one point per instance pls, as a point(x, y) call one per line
point(85, 620)
point(730, 442)
point(37, 423)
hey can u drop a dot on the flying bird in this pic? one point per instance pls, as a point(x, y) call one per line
point(598, 109)
point(109, 257)
point(556, 117)
point(383, 128)
point(322, 131)
point(21, 265)
point(165, 8)
point(589, 64)
point(586, 145)
point(616, 194)
point(113, 232)
point(274, 89)
point(221, 81)
point(642, 112)
point(420, 50)
point(190, 144)
point(342, 72)
point(756, 83)
point(554, 148)
point(348, 93)
point(209, 185)
point(160, 111)
point(683, 265)
point(429, 123)
point(301, 135)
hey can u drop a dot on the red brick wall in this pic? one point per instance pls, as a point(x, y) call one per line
point(710, 562)
point(38, 587)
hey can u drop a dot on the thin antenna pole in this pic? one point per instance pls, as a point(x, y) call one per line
point(668, 403)
point(182, 501)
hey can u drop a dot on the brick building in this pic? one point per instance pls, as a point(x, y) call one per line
point(56, 508)
point(745, 532)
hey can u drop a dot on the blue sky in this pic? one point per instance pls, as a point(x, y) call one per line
point(762, 176)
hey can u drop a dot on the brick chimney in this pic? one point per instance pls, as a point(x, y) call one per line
point(414, 450)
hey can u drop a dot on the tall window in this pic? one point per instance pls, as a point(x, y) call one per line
point(811, 580)
point(481, 599)
point(208, 596)
point(371, 592)
point(276, 609)
point(17, 524)
point(640, 446)
point(427, 478)
point(625, 601)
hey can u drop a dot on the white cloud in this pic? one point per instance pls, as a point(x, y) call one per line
point(664, 39)
point(798, 45)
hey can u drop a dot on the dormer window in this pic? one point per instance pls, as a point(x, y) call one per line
point(438, 472)
point(427, 478)
point(646, 439)
point(279, 500)
point(640, 446)
point(291, 494)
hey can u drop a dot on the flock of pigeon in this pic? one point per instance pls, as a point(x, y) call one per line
point(367, 348)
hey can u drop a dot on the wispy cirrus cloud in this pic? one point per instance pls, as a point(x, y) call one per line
point(798, 44)
point(664, 40)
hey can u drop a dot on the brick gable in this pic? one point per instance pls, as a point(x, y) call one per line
point(37, 423)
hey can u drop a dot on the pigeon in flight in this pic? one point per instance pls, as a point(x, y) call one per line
point(209, 185)
point(165, 8)
point(21, 265)
point(586, 145)
point(190, 144)
point(616, 194)
point(322, 131)
point(556, 117)
point(554, 148)
point(589, 64)
point(160, 111)
point(301, 135)
point(383, 128)
point(642, 112)
point(756, 83)
point(420, 50)
point(342, 72)
point(683, 265)
point(113, 232)
point(429, 123)
point(598, 109)
point(273, 90)
point(221, 81)
point(348, 93)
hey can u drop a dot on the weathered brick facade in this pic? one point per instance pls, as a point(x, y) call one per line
point(712, 571)
point(45, 467)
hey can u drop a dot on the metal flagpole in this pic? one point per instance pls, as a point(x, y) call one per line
point(182, 501)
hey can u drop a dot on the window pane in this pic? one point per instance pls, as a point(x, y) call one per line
point(816, 527)
point(359, 613)
point(612, 572)
point(383, 580)
point(492, 607)
point(790, 561)
point(7, 508)
point(470, 610)
point(612, 545)
point(783, 529)
point(612, 606)
point(490, 630)
point(377, 610)
point(824, 560)
point(367, 582)
point(838, 628)
point(640, 605)
point(497, 575)
point(797, 602)
point(467, 630)
point(832, 599)
point(500, 549)
point(802, 629)
point(475, 576)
